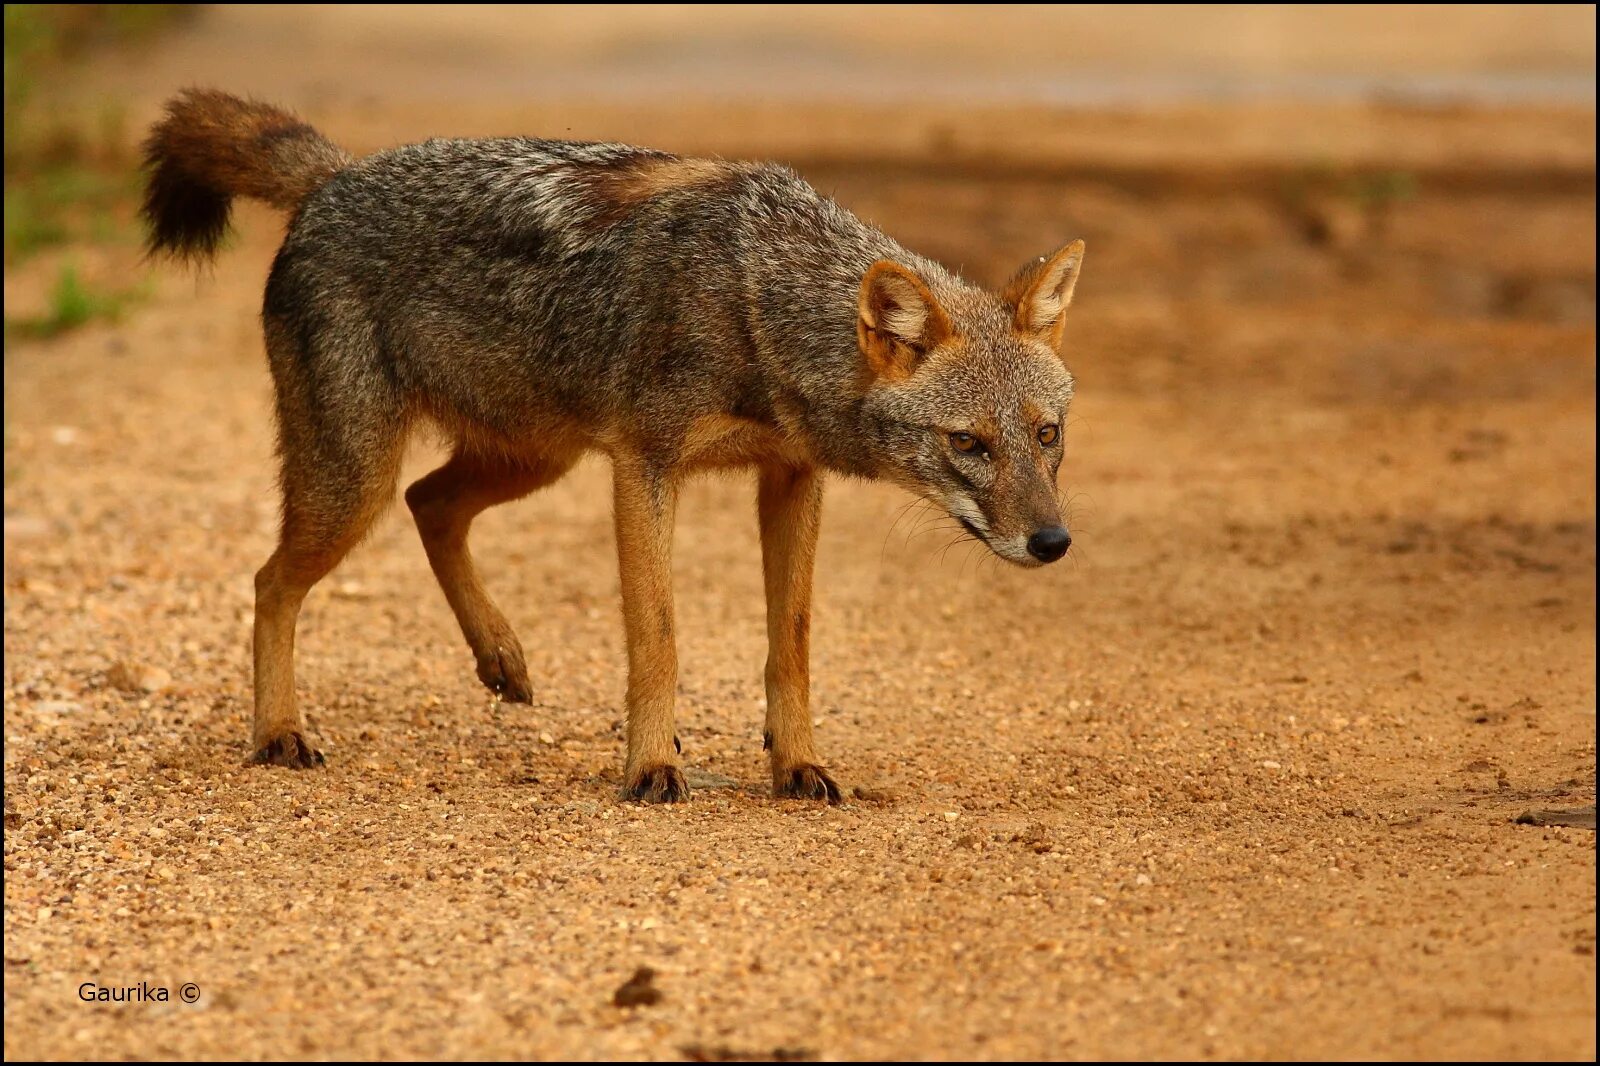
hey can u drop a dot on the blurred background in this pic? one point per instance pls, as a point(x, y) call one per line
point(1336, 119)
point(1237, 779)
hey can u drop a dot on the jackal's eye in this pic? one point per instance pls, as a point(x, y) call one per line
point(1049, 434)
point(965, 443)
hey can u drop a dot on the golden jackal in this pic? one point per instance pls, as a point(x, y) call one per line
point(537, 299)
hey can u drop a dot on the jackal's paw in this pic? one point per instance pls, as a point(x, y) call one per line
point(806, 781)
point(504, 673)
point(657, 784)
point(292, 750)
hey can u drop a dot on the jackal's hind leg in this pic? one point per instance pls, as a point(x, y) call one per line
point(340, 441)
point(328, 507)
point(444, 504)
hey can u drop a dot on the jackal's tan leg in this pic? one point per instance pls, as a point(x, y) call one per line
point(444, 504)
point(280, 736)
point(646, 502)
point(341, 437)
point(311, 545)
point(791, 511)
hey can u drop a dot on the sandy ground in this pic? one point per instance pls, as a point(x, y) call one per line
point(1236, 780)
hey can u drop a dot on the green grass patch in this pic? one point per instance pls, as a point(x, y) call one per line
point(75, 303)
point(39, 36)
point(68, 177)
point(69, 202)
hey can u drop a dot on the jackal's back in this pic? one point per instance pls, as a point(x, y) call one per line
point(513, 280)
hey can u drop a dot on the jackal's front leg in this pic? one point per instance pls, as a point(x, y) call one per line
point(791, 511)
point(646, 500)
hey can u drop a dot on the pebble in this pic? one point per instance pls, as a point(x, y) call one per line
point(638, 990)
point(135, 677)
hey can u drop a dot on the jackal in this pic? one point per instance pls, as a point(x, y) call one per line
point(538, 299)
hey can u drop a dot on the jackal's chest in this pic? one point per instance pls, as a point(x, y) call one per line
point(724, 440)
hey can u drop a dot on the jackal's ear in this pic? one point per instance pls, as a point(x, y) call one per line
point(900, 321)
point(1041, 292)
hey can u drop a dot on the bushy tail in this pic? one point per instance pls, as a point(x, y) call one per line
point(212, 147)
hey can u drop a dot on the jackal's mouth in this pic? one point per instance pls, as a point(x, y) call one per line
point(1012, 550)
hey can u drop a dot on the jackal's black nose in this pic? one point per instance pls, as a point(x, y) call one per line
point(1049, 544)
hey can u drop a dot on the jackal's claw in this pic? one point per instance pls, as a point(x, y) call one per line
point(502, 671)
point(291, 750)
point(807, 781)
point(658, 784)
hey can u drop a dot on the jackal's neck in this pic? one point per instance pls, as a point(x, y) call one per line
point(815, 375)
point(803, 260)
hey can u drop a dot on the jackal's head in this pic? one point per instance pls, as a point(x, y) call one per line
point(970, 395)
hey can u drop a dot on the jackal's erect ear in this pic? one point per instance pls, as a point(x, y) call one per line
point(900, 320)
point(1041, 292)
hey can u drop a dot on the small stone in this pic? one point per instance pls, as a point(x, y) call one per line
point(638, 990)
point(132, 677)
